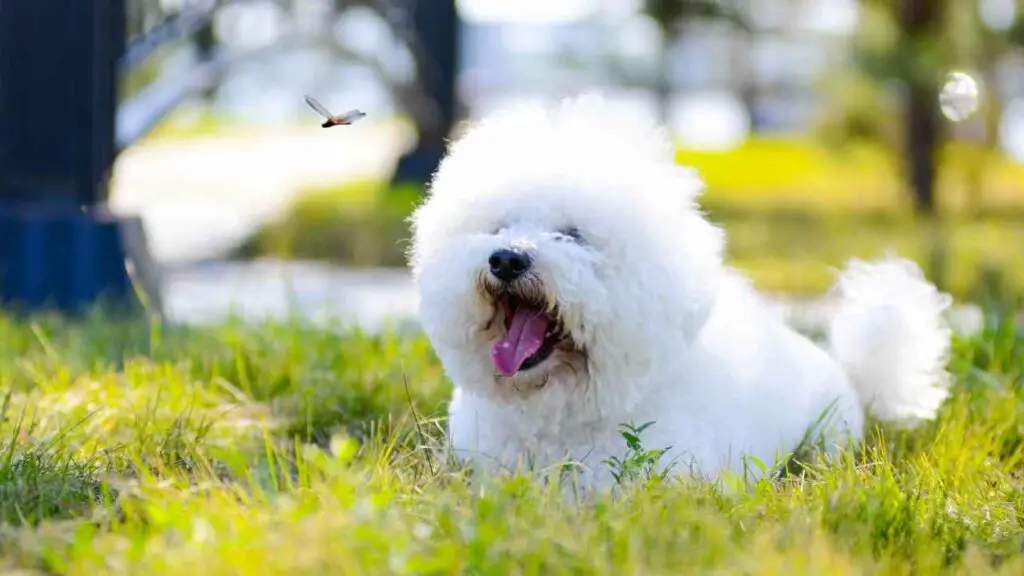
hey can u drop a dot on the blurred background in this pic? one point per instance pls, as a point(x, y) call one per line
point(817, 125)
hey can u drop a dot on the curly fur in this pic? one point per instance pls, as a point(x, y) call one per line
point(661, 329)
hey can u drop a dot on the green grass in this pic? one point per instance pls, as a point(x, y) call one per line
point(357, 224)
point(798, 253)
point(800, 173)
point(284, 449)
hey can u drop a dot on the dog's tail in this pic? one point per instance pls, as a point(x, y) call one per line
point(890, 337)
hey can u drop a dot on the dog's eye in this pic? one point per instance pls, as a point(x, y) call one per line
point(571, 233)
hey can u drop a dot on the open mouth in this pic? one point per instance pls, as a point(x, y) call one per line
point(531, 334)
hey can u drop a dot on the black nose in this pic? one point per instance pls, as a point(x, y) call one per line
point(507, 265)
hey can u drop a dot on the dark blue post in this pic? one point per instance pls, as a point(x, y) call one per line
point(435, 24)
point(58, 97)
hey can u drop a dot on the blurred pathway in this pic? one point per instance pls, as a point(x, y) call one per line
point(268, 289)
point(201, 197)
point(371, 299)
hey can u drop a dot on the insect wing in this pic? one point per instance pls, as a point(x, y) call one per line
point(351, 116)
point(318, 107)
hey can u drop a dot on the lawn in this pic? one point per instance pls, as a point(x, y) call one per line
point(285, 449)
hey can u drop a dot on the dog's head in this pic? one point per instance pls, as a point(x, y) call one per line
point(561, 250)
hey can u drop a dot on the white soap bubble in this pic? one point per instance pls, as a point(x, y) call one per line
point(960, 96)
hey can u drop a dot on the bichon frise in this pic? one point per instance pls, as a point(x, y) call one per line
point(569, 284)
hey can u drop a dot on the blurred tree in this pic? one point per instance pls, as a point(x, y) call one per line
point(920, 25)
point(672, 17)
point(435, 31)
point(899, 58)
point(206, 44)
point(428, 31)
point(902, 52)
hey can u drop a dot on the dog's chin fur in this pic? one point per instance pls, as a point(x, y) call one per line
point(654, 328)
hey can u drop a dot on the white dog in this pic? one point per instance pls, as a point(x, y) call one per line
point(569, 285)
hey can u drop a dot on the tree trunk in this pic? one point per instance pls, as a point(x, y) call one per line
point(743, 74)
point(662, 79)
point(919, 21)
point(922, 143)
point(205, 44)
point(436, 32)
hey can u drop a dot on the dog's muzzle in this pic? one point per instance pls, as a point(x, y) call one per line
point(530, 327)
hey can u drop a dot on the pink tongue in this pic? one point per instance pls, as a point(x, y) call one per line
point(524, 337)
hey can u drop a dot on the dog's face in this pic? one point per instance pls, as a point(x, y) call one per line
point(557, 254)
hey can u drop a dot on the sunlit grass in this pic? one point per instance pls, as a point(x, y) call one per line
point(284, 449)
point(798, 173)
point(794, 253)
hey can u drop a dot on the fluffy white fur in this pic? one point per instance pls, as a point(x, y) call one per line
point(666, 332)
